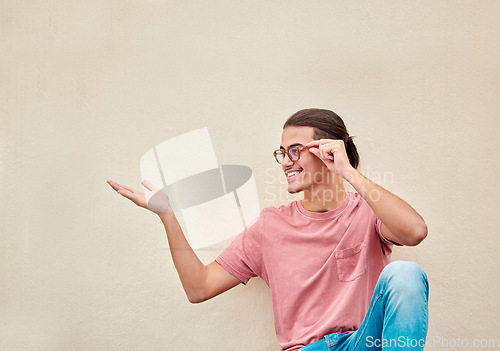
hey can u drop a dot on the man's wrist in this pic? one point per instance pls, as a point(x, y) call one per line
point(165, 216)
point(351, 175)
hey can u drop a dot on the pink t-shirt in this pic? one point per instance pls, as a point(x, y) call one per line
point(321, 267)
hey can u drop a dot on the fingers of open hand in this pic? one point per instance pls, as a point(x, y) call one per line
point(124, 187)
point(127, 192)
point(148, 185)
point(118, 187)
point(131, 195)
point(114, 185)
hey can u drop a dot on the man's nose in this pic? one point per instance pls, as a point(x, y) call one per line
point(286, 161)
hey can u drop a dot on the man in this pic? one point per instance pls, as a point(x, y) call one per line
point(323, 257)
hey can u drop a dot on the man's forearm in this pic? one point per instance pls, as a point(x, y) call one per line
point(191, 271)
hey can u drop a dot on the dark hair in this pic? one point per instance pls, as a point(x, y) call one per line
point(327, 125)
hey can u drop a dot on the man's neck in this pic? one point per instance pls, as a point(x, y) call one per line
point(325, 199)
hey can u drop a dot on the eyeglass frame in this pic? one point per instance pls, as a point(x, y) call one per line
point(287, 152)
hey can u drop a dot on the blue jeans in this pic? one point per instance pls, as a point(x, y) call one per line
point(396, 319)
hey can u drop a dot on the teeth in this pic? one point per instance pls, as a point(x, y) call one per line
point(292, 173)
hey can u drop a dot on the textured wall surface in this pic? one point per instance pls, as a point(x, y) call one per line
point(88, 87)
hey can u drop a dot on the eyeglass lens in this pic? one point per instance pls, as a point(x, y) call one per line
point(280, 156)
point(293, 154)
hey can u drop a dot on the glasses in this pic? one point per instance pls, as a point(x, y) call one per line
point(293, 153)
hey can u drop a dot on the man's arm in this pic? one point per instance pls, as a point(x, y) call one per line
point(200, 282)
point(400, 222)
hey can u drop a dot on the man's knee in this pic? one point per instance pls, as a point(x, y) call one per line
point(403, 267)
point(405, 275)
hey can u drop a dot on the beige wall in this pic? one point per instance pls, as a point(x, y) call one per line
point(88, 87)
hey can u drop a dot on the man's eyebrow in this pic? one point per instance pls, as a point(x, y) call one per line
point(296, 144)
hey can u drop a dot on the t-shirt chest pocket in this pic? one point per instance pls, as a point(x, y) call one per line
point(351, 262)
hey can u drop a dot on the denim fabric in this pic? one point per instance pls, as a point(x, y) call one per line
point(396, 319)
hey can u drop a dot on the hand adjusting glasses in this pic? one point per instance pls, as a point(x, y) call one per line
point(293, 153)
